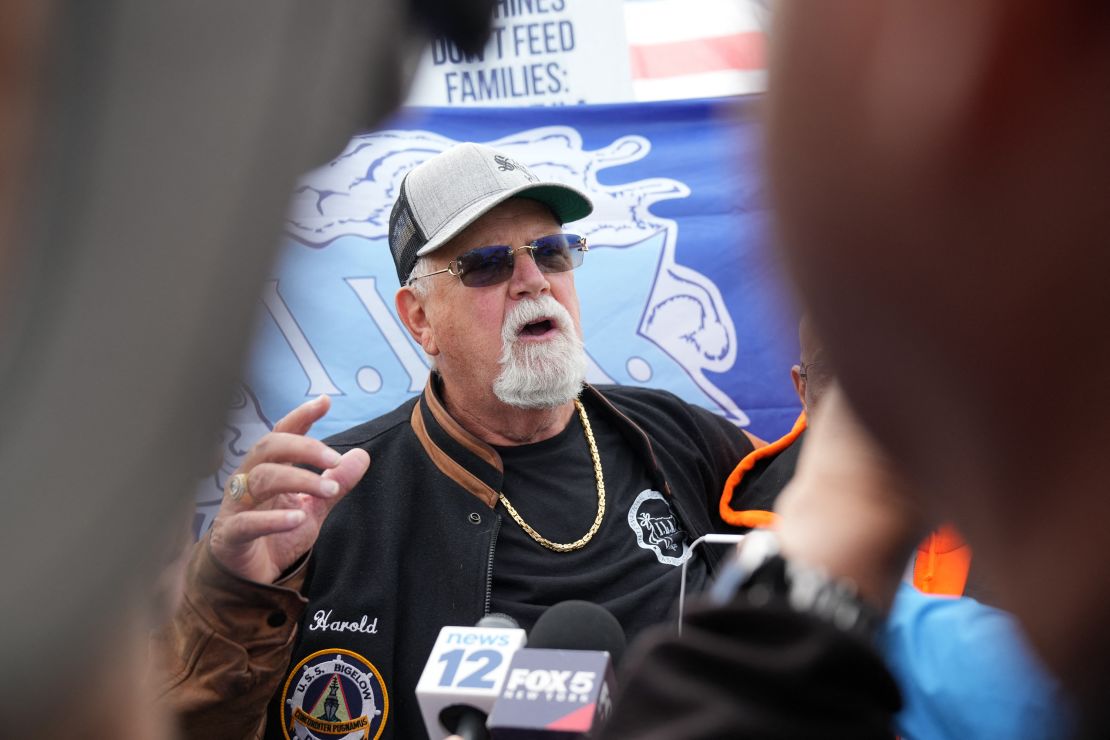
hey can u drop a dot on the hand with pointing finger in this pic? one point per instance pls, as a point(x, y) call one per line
point(272, 511)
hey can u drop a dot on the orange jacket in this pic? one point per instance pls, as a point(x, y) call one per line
point(942, 560)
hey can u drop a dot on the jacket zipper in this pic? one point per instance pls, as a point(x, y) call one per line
point(489, 563)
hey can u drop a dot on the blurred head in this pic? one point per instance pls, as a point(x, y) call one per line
point(155, 283)
point(24, 43)
point(939, 174)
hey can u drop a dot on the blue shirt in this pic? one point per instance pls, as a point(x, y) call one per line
point(966, 671)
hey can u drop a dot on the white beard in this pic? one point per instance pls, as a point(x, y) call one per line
point(538, 375)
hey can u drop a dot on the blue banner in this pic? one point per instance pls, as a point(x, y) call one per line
point(678, 291)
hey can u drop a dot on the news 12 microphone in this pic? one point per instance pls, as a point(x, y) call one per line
point(464, 675)
point(561, 685)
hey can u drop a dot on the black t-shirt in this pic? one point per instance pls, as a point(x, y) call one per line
point(632, 566)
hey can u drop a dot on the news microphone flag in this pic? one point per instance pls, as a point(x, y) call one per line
point(553, 694)
point(466, 668)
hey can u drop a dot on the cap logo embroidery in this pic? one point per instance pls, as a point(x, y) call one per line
point(506, 164)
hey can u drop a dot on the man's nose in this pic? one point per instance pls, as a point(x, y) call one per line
point(527, 279)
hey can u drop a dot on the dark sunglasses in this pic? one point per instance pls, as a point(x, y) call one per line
point(484, 266)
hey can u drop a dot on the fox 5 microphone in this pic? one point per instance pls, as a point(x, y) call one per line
point(464, 675)
point(561, 685)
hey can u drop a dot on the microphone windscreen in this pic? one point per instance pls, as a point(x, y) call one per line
point(579, 625)
point(497, 620)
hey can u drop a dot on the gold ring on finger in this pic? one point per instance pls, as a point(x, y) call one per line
point(237, 489)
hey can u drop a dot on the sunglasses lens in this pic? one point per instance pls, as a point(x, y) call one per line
point(485, 266)
point(491, 265)
point(557, 253)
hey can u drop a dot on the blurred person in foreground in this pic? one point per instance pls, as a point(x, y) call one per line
point(941, 563)
point(948, 228)
point(147, 151)
point(964, 668)
point(939, 175)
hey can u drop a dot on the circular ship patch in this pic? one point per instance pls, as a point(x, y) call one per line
point(334, 695)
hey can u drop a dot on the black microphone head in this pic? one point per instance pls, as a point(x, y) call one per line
point(579, 625)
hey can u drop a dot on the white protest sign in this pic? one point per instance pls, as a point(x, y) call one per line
point(541, 52)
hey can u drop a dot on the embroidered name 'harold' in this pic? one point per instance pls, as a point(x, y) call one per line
point(322, 622)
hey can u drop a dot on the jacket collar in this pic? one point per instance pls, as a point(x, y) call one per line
point(457, 453)
point(476, 466)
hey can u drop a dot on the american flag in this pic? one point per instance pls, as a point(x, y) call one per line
point(696, 48)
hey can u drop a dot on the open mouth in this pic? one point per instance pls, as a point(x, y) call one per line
point(537, 328)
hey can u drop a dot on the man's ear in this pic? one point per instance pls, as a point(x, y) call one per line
point(410, 307)
point(799, 384)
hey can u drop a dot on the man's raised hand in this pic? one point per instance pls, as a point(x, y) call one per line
point(278, 517)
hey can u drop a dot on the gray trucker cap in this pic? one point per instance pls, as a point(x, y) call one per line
point(442, 196)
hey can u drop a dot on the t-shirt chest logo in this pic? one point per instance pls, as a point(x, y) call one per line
point(334, 694)
point(657, 529)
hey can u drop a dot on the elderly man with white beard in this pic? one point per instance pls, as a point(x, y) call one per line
point(508, 486)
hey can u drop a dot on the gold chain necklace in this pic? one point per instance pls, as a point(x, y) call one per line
point(581, 541)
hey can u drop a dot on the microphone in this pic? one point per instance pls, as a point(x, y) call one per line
point(561, 685)
point(464, 675)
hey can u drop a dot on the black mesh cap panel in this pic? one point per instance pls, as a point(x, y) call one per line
point(405, 239)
